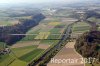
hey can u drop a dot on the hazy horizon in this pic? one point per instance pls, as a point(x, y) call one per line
point(40, 1)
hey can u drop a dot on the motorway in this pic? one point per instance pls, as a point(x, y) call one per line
point(65, 37)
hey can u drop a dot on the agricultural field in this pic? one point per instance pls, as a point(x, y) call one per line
point(2, 45)
point(96, 20)
point(54, 23)
point(20, 51)
point(31, 37)
point(50, 19)
point(27, 49)
point(55, 33)
point(6, 59)
point(31, 55)
point(42, 35)
point(65, 53)
point(18, 62)
point(79, 28)
point(93, 19)
point(20, 55)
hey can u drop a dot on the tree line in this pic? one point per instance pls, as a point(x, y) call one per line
point(20, 28)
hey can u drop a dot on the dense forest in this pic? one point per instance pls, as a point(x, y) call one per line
point(20, 28)
point(89, 45)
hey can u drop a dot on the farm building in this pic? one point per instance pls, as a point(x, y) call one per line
point(4, 49)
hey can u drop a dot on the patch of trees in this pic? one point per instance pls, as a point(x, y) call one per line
point(89, 45)
point(21, 28)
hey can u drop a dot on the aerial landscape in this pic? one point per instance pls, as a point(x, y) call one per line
point(50, 33)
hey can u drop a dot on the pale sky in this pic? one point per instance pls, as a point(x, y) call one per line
point(35, 1)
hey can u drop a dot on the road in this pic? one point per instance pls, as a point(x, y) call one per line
point(65, 37)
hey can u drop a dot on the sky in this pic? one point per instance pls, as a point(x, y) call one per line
point(36, 1)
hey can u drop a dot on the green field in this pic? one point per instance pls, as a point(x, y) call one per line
point(81, 27)
point(31, 55)
point(21, 56)
point(53, 19)
point(93, 19)
point(18, 62)
point(26, 54)
point(16, 53)
point(30, 37)
point(23, 50)
point(50, 42)
point(97, 20)
point(2, 45)
point(55, 30)
point(6, 59)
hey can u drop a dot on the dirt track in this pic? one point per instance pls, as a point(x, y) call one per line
point(68, 52)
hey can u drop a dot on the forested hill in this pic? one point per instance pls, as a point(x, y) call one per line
point(21, 28)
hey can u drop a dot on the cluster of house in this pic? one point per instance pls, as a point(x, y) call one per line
point(5, 51)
